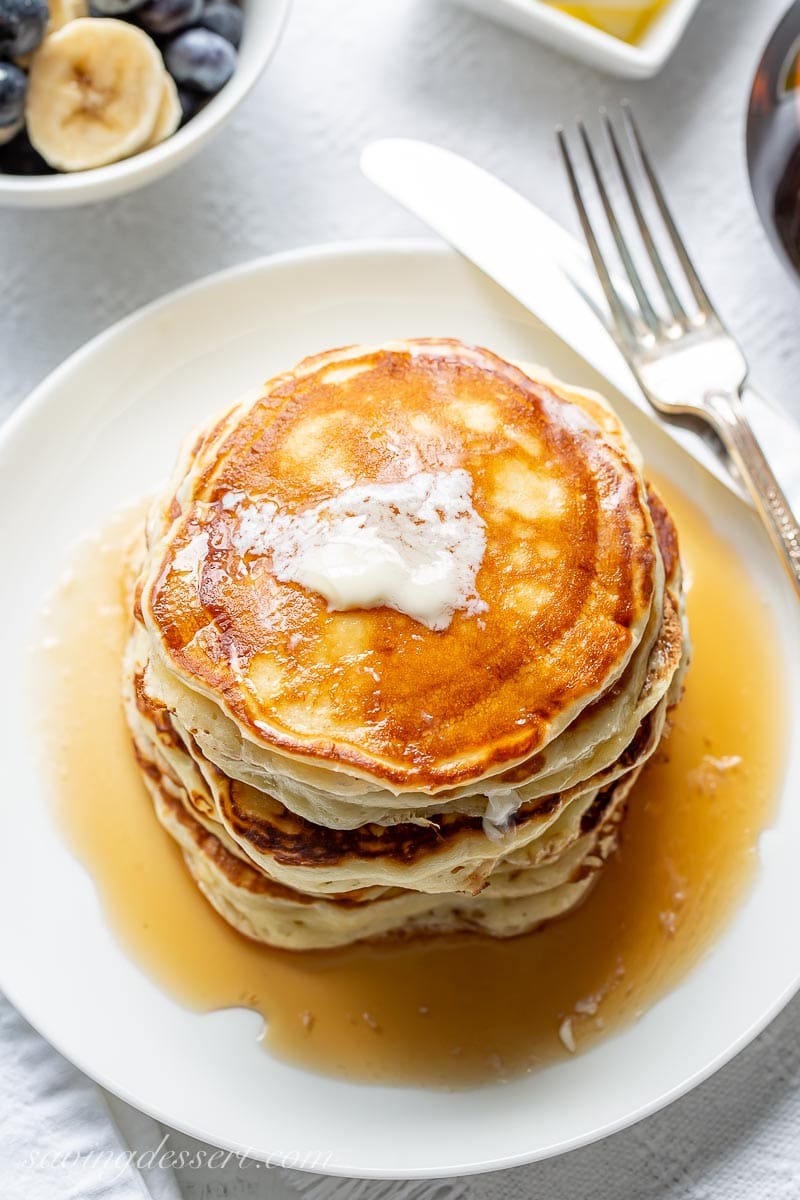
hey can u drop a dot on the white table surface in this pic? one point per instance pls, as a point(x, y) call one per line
point(285, 173)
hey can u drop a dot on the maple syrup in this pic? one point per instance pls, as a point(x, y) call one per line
point(464, 1009)
point(773, 137)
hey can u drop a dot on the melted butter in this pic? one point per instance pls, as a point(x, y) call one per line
point(415, 546)
point(628, 20)
point(460, 1010)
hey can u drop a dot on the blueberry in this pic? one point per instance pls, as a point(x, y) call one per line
point(13, 87)
point(168, 16)
point(18, 157)
point(113, 8)
point(200, 59)
point(223, 18)
point(22, 26)
point(191, 103)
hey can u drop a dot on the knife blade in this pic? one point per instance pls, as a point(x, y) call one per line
point(550, 273)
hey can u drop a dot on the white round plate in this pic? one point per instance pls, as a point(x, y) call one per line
point(103, 430)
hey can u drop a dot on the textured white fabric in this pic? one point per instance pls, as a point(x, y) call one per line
point(284, 174)
point(57, 1135)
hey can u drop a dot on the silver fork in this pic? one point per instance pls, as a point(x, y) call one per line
point(686, 363)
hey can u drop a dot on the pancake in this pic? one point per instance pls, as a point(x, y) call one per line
point(453, 853)
point(449, 851)
point(513, 903)
point(334, 774)
point(341, 800)
point(561, 765)
point(569, 574)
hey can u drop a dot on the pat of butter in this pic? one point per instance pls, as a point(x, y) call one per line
point(415, 546)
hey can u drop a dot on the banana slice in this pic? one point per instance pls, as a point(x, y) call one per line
point(64, 11)
point(94, 92)
point(169, 114)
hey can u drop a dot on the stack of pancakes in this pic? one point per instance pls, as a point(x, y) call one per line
point(338, 775)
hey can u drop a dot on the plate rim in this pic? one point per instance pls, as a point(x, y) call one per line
point(323, 252)
point(360, 247)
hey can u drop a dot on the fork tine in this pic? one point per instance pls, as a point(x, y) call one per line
point(670, 295)
point(648, 312)
point(693, 279)
point(623, 318)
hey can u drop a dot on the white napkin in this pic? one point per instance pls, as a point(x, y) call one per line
point(58, 1139)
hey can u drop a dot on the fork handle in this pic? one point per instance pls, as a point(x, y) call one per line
point(741, 443)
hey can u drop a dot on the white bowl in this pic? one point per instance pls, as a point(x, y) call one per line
point(580, 40)
point(264, 22)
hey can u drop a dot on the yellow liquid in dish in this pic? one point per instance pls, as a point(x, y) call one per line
point(461, 1010)
point(629, 22)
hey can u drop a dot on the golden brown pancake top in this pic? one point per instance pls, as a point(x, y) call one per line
point(567, 575)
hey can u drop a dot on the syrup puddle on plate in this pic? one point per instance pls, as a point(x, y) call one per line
point(455, 1011)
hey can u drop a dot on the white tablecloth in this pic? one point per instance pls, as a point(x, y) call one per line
point(285, 174)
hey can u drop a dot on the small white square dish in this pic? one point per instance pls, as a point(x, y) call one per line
point(577, 38)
